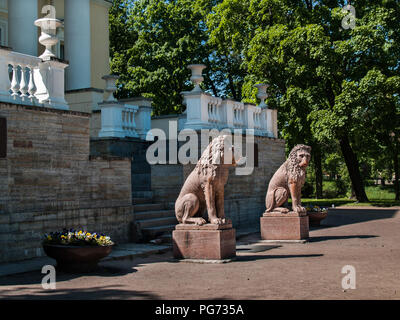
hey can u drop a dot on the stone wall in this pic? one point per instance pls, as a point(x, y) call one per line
point(244, 194)
point(132, 148)
point(48, 181)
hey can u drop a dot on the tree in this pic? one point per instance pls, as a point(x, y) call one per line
point(311, 59)
point(152, 42)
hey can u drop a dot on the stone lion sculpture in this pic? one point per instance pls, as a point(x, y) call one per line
point(289, 179)
point(204, 187)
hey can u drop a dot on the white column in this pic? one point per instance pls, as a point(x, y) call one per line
point(22, 33)
point(77, 43)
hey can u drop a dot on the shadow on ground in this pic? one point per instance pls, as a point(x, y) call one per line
point(343, 216)
point(103, 292)
point(255, 248)
point(326, 238)
point(36, 277)
point(268, 257)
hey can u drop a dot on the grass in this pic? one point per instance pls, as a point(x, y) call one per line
point(378, 197)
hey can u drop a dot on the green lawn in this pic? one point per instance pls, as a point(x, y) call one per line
point(379, 197)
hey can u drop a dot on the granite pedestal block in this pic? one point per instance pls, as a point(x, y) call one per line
point(284, 226)
point(206, 242)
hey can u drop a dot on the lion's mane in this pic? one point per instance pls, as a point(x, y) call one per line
point(292, 165)
point(211, 157)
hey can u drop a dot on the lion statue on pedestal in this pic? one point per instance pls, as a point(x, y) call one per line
point(289, 179)
point(204, 187)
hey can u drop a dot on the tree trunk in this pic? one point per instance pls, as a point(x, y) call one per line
point(396, 174)
point(318, 171)
point(354, 169)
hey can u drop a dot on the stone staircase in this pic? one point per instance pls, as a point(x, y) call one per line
point(153, 220)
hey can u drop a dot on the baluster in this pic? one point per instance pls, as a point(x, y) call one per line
point(23, 84)
point(127, 124)
point(123, 120)
point(14, 82)
point(32, 86)
point(218, 111)
point(211, 115)
point(130, 122)
point(214, 111)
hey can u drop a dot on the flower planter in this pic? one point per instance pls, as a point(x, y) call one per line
point(316, 217)
point(76, 259)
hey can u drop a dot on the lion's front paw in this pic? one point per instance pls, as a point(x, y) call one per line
point(299, 209)
point(216, 221)
point(200, 221)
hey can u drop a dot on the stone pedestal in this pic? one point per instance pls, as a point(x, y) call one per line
point(206, 242)
point(284, 226)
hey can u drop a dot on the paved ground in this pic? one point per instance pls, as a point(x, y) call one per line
point(365, 238)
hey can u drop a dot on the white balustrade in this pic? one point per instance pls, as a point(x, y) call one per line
point(20, 69)
point(26, 79)
point(214, 110)
point(204, 111)
point(121, 120)
point(128, 121)
point(126, 118)
point(239, 119)
point(112, 119)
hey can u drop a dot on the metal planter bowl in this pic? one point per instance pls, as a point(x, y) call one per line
point(76, 259)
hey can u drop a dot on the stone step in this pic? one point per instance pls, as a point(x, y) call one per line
point(154, 232)
point(158, 222)
point(148, 207)
point(142, 200)
point(154, 214)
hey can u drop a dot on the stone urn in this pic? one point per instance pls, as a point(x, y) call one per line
point(111, 86)
point(262, 94)
point(77, 259)
point(197, 75)
point(48, 37)
point(315, 217)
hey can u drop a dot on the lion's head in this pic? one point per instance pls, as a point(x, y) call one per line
point(218, 152)
point(298, 160)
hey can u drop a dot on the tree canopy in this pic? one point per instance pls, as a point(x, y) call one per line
point(332, 85)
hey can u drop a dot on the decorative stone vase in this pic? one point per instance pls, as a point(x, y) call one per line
point(197, 75)
point(315, 217)
point(48, 37)
point(111, 86)
point(76, 259)
point(262, 94)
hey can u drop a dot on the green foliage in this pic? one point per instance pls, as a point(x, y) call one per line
point(161, 39)
point(329, 84)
